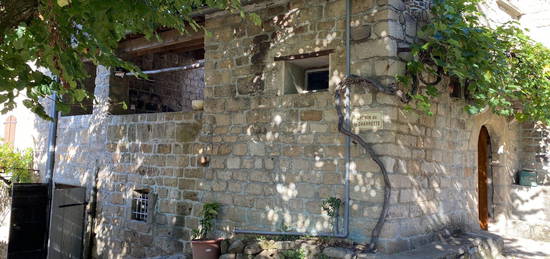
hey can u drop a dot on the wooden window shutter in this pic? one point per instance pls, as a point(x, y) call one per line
point(9, 130)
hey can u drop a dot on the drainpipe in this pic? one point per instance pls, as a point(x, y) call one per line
point(347, 146)
point(347, 154)
point(50, 164)
point(52, 140)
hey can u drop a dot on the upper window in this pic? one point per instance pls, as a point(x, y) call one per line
point(175, 78)
point(509, 8)
point(305, 73)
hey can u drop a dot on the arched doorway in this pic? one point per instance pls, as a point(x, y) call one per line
point(485, 183)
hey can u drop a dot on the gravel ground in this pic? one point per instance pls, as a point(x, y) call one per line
point(515, 247)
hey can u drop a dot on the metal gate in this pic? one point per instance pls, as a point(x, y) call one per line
point(67, 225)
point(29, 220)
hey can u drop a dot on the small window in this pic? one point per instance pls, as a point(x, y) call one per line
point(316, 79)
point(306, 73)
point(455, 88)
point(140, 205)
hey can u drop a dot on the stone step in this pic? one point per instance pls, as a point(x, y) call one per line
point(479, 244)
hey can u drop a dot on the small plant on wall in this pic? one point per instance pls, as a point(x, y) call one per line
point(208, 215)
point(202, 246)
point(331, 206)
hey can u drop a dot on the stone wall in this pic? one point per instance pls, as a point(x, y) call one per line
point(529, 213)
point(154, 152)
point(530, 216)
point(536, 151)
point(286, 152)
point(274, 157)
point(174, 91)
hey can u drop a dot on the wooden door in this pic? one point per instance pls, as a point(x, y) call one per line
point(29, 220)
point(483, 151)
point(67, 224)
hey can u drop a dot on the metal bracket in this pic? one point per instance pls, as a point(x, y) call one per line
point(73, 204)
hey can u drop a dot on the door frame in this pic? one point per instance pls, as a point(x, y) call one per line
point(484, 180)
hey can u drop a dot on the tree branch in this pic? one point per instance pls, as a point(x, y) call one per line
point(14, 12)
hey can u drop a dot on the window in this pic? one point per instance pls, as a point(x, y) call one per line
point(455, 88)
point(140, 205)
point(87, 105)
point(316, 79)
point(9, 130)
point(305, 73)
point(509, 8)
point(175, 80)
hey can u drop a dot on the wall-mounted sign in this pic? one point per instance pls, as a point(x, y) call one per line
point(368, 121)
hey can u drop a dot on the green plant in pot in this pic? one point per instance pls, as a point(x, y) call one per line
point(203, 247)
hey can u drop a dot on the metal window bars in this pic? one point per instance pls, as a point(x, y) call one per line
point(140, 205)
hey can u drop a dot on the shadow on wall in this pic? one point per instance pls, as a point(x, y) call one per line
point(80, 151)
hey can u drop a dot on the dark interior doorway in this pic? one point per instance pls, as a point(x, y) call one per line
point(484, 173)
point(30, 212)
point(29, 221)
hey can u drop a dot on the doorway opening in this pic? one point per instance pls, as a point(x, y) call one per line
point(485, 178)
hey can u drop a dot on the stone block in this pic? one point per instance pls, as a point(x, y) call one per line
point(187, 132)
point(252, 249)
point(311, 115)
point(117, 198)
point(256, 148)
point(268, 254)
point(383, 47)
point(254, 188)
point(240, 149)
point(338, 252)
point(164, 148)
point(389, 28)
point(389, 246)
point(361, 33)
point(233, 163)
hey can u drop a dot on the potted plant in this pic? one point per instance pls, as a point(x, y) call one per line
point(204, 248)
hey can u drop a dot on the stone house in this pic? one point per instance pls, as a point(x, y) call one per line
point(266, 144)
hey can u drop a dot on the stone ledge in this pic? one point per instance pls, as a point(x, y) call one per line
point(464, 245)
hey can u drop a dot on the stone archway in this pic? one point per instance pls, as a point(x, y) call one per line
point(485, 181)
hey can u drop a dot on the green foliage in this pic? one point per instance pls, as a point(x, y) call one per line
point(286, 228)
point(208, 214)
point(331, 206)
point(500, 67)
point(294, 254)
point(16, 164)
point(57, 36)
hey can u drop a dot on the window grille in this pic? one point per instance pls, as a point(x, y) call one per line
point(140, 205)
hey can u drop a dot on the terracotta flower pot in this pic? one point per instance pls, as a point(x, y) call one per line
point(206, 249)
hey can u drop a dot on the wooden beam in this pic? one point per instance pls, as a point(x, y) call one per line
point(179, 47)
point(167, 39)
point(306, 55)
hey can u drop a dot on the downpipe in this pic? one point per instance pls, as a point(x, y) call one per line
point(347, 154)
point(50, 164)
